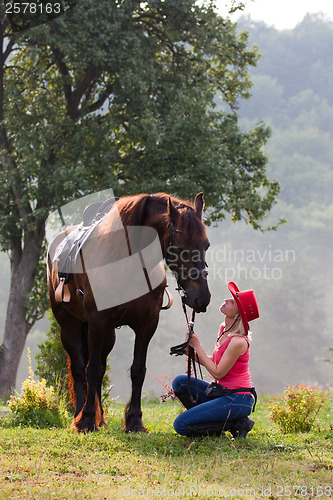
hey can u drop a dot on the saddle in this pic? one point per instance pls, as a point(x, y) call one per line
point(67, 252)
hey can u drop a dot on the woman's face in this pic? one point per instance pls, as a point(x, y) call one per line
point(229, 308)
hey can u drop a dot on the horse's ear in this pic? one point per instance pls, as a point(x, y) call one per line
point(172, 211)
point(199, 204)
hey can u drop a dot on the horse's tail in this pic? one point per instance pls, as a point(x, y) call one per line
point(72, 396)
point(99, 417)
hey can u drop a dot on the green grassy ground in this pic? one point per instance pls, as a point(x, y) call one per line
point(60, 464)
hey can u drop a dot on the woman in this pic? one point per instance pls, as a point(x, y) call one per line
point(229, 366)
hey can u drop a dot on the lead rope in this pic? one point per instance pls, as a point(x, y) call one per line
point(180, 349)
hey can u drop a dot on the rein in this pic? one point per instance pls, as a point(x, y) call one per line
point(181, 349)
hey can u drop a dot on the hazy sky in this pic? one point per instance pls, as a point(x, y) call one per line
point(283, 14)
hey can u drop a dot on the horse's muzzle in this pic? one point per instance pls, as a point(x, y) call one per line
point(199, 304)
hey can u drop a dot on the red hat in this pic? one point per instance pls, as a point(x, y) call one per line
point(246, 302)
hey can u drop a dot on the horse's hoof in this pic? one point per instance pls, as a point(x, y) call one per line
point(87, 428)
point(141, 429)
point(138, 427)
point(85, 425)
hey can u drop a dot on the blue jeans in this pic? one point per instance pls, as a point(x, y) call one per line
point(215, 410)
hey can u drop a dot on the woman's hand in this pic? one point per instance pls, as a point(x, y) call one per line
point(236, 347)
point(195, 342)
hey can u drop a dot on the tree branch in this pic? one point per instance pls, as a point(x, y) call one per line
point(59, 60)
point(101, 100)
point(84, 86)
point(9, 49)
point(85, 83)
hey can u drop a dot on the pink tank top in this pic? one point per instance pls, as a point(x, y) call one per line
point(239, 374)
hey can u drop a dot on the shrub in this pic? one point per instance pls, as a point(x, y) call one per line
point(300, 409)
point(38, 405)
point(166, 384)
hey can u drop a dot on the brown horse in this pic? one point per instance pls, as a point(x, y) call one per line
point(89, 319)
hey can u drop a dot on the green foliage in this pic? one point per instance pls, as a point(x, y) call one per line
point(300, 409)
point(38, 405)
point(122, 95)
point(291, 94)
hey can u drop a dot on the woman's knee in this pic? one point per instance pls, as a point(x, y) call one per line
point(180, 426)
point(179, 382)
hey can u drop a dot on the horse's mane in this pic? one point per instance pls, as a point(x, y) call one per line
point(134, 209)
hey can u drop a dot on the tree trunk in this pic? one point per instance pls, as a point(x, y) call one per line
point(16, 330)
point(23, 265)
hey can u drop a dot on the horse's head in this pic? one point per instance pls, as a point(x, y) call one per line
point(186, 247)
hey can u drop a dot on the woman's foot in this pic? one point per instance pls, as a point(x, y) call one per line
point(206, 429)
point(240, 427)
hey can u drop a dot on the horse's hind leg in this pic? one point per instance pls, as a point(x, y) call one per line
point(133, 412)
point(98, 345)
point(74, 340)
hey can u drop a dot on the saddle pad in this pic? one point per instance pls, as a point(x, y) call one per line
point(67, 252)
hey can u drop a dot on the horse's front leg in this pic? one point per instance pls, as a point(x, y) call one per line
point(133, 412)
point(107, 348)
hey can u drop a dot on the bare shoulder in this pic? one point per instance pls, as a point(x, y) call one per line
point(239, 343)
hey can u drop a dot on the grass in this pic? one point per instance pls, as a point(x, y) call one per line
point(109, 464)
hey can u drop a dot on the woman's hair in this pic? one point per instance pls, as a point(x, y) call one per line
point(239, 329)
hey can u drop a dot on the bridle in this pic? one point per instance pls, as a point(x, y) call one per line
point(180, 349)
point(192, 275)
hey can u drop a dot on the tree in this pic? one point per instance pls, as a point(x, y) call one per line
point(119, 94)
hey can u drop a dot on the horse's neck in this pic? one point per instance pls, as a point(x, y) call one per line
point(154, 215)
point(159, 222)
